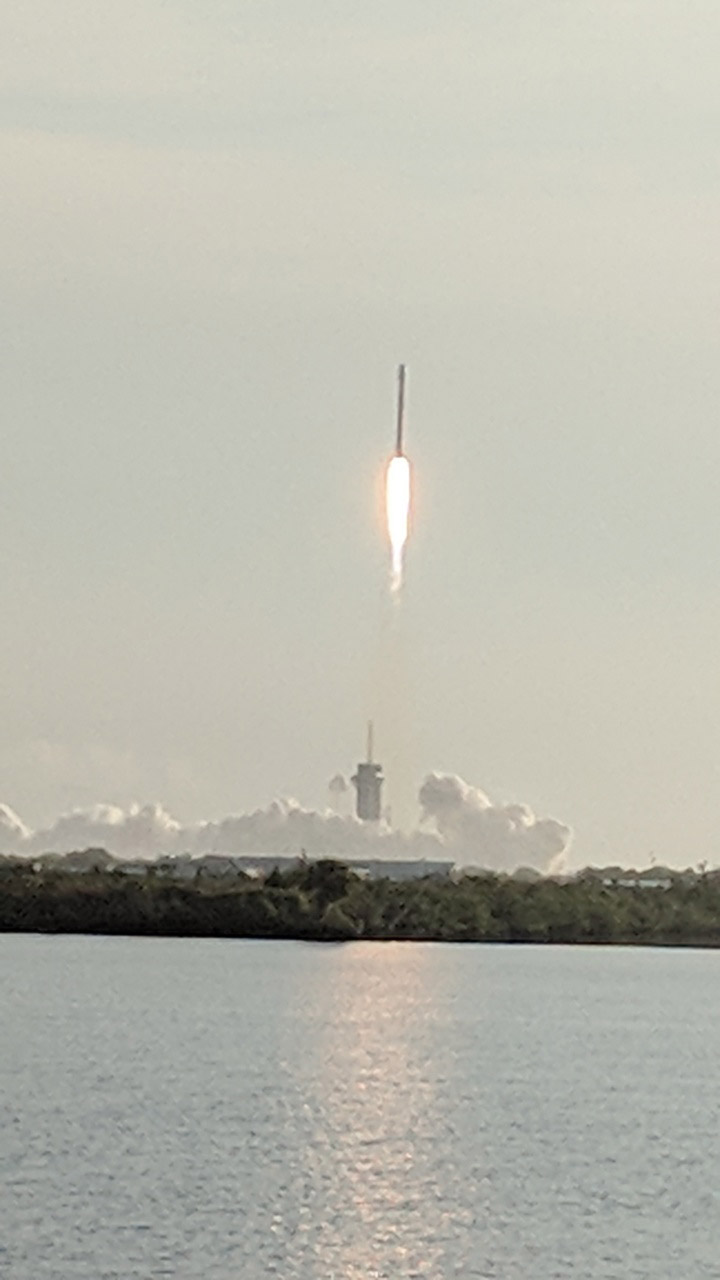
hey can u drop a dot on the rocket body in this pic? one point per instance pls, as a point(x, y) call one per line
point(400, 411)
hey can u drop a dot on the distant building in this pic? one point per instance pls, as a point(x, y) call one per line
point(176, 869)
point(80, 862)
point(403, 869)
point(626, 878)
point(138, 869)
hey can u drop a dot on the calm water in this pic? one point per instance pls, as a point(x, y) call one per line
point(207, 1110)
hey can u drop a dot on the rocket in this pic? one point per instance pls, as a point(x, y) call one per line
point(400, 411)
point(398, 485)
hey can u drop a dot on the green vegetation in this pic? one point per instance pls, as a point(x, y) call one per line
point(327, 901)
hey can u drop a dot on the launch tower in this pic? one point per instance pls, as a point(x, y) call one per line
point(368, 783)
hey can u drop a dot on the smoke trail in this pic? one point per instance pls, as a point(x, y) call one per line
point(397, 497)
point(397, 712)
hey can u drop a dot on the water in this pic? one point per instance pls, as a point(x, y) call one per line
point(210, 1110)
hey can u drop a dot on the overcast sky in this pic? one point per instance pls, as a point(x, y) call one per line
point(222, 226)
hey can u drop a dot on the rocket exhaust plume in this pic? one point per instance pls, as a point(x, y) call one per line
point(397, 493)
point(398, 512)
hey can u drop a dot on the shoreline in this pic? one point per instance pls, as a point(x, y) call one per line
point(634, 944)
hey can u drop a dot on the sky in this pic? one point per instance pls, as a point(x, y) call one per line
point(223, 226)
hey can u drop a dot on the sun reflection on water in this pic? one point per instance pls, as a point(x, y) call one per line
point(379, 1150)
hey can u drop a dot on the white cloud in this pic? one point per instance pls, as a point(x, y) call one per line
point(477, 831)
point(458, 822)
point(143, 832)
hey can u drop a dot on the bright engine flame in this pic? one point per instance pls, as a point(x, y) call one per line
point(397, 497)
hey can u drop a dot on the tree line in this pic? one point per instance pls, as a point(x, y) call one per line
point(328, 901)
